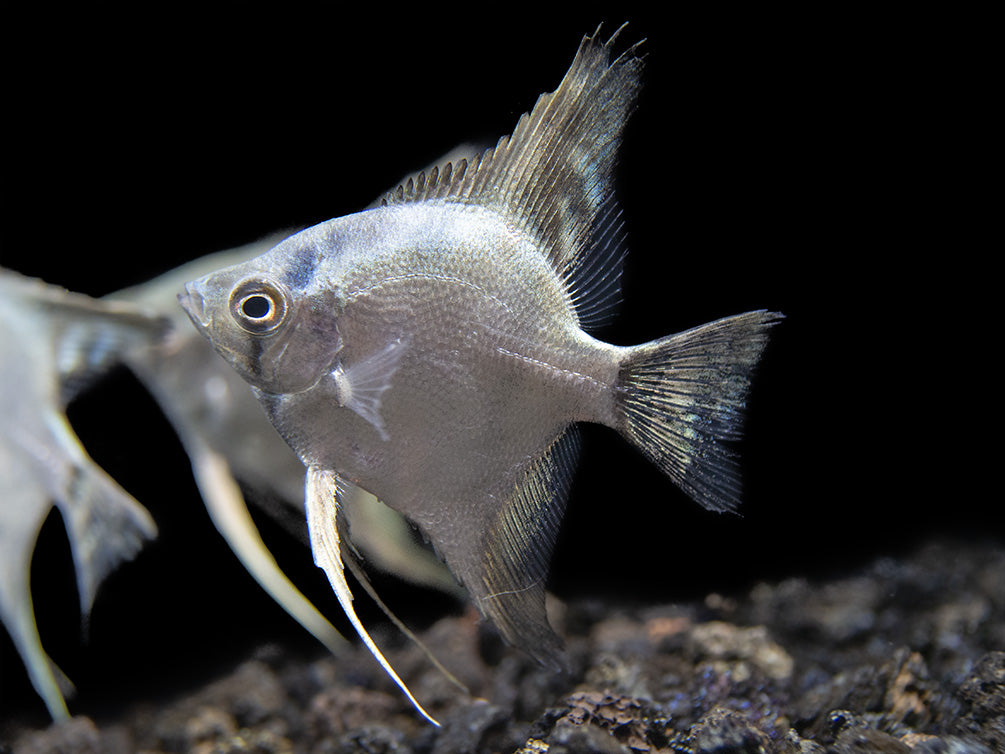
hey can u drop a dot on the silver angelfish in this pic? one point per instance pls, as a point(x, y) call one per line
point(435, 352)
point(228, 438)
point(52, 343)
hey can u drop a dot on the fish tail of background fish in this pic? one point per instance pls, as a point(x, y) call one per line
point(682, 396)
point(106, 526)
point(53, 343)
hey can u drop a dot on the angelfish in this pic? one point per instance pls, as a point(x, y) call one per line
point(435, 351)
point(53, 343)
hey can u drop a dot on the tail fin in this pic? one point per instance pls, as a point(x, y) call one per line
point(681, 396)
point(105, 525)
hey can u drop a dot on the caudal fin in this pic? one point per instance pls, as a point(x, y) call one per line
point(682, 396)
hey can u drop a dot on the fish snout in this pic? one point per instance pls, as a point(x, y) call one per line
point(194, 304)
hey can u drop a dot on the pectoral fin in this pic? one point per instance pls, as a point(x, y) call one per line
point(323, 523)
point(360, 386)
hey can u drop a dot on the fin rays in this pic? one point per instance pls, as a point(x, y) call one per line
point(552, 176)
point(509, 589)
point(360, 386)
point(683, 395)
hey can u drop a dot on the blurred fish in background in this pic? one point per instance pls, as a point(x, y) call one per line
point(54, 342)
point(55, 345)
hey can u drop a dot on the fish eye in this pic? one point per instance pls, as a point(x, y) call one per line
point(258, 307)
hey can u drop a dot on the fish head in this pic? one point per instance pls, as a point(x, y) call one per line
point(275, 328)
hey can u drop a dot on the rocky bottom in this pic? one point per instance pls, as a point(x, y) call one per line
point(903, 656)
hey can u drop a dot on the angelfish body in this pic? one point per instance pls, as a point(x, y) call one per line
point(434, 351)
point(479, 362)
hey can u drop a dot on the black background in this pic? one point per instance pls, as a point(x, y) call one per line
point(809, 164)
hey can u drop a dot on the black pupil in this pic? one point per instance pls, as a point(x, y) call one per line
point(256, 306)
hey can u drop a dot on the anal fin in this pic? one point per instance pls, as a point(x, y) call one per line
point(509, 579)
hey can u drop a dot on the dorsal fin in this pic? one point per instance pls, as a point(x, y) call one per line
point(552, 177)
point(466, 150)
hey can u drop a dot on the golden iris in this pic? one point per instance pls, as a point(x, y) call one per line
point(258, 306)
